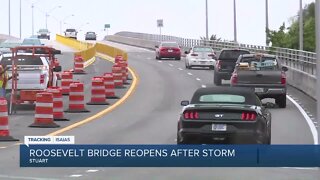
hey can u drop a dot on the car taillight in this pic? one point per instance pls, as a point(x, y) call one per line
point(211, 55)
point(248, 116)
point(218, 64)
point(191, 115)
point(42, 78)
point(194, 54)
point(234, 78)
point(163, 49)
point(283, 78)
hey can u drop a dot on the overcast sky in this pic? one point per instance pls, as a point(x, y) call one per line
point(183, 18)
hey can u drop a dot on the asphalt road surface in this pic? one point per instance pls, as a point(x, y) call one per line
point(149, 116)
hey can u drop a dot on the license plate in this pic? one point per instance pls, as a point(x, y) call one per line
point(170, 51)
point(219, 127)
point(203, 62)
point(258, 90)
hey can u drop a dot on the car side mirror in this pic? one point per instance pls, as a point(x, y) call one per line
point(57, 69)
point(42, 44)
point(184, 103)
point(156, 46)
point(284, 68)
point(56, 51)
point(186, 52)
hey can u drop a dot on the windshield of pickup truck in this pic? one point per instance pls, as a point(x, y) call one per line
point(231, 54)
point(256, 64)
point(22, 60)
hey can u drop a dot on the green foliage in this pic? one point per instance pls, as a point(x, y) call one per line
point(289, 37)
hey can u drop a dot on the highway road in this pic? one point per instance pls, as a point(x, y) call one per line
point(149, 116)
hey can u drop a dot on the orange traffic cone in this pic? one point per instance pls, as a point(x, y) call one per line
point(4, 122)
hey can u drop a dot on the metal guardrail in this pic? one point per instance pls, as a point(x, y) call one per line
point(299, 60)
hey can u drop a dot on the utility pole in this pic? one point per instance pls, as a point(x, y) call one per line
point(235, 21)
point(317, 8)
point(267, 23)
point(9, 18)
point(301, 27)
point(207, 29)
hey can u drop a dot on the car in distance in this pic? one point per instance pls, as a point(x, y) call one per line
point(224, 114)
point(225, 64)
point(90, 36)
point(7, 44)
point(200, 56)
point(264, 74)
point(31, 42)
point(71, 33)
point(44, 34)
point(168, 50)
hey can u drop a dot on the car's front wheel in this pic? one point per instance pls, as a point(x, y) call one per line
point(281, 101)
point(178, 58)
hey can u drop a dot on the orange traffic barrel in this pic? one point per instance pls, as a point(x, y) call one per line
point(58, 114)
point(76, 98)
point(98, 92)
point(117, 76)
point(44, 111)
point(78, 65)
point(123, 66)
point(109, 86)
point(4, 122)
point(66, 80)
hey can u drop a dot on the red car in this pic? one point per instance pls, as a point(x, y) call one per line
point(168, 50)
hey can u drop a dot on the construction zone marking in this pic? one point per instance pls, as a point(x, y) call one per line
point(135, 81)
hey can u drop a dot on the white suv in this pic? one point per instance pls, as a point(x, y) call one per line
point(71, 33)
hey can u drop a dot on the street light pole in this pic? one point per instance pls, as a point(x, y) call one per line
point(207, 29)
point(64, 19)
point(267, 22)
point(317, 8)
point(9, 18)
point(301, 27)
point(20, 19)
point(32, 7)
point(47, 14)
point(234, 21)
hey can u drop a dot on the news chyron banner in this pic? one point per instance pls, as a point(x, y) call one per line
point(60, 151)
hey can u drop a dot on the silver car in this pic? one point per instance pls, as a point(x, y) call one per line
point(200, 56)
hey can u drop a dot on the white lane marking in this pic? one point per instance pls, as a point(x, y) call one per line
point(315, 122)
point(92, 170)
point(76, 175)
point(309, 121)
point(24, 177)
point(198, 79)
point(149, 58)
point(190, 74)
point(3, 147)
point(301, 168)
point(180, 69)
point(160, 61)
point(170, 65)
point(203, 86)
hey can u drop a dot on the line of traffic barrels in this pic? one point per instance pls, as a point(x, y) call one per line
point(49, 104)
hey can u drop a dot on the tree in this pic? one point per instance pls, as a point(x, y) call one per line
point(289, 37)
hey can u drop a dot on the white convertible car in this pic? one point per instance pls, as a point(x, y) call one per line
point(200, 56)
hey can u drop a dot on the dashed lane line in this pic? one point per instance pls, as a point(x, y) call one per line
point(190, 74)
point(171, 65)
point(198, 79)
point(203, 86)
point(160, 61)
point(92, 170)
point(75, 175)
point(180, 69)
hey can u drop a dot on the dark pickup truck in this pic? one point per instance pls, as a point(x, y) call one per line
point(264, 74)
point(225, 64)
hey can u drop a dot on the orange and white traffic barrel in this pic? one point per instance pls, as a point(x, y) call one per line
point(44, 111)
point(58, 114)
point(117, 76)
point(66, 80)
point(109, 86)
point(76, 98)
point(98, 92)
point(4, 122)
point(78, 65)
point(122, 64)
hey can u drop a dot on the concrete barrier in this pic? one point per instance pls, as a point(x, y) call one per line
point(110, 51)
point(296, 78)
